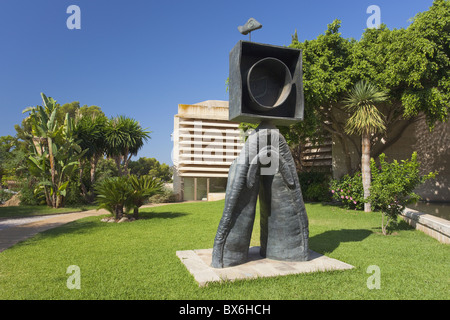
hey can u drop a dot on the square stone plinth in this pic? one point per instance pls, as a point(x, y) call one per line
point(198, 262)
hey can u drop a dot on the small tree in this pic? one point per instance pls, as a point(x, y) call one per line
point(393, 186)
point(365, 121)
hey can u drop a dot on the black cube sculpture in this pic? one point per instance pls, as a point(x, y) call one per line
point(265, 84)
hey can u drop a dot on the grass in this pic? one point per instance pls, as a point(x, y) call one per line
point(28, 211)
point(137, 260)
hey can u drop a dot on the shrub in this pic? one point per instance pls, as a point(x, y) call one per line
point(112, 194)
point(5, 195)
point(349, 191)
point(314, 186)
point(27, 194)
point(127, 192)
point(393, 186)
point(166, 196)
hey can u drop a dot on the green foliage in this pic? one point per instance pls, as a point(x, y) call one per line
point(143, 188)
point(124, 137)
point(314, 186)
point(112, 195)
point(393, 186)
point(5, 195)
point(412, 66)
point(27, 194)
point(117, 193)
point(151, 166)
point(55, 153)
point(166, 196)
point(361, 100)
point(349, 191)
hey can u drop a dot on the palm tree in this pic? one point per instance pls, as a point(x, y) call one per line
point(124, 138)
point(365, 121)
point(90, 130)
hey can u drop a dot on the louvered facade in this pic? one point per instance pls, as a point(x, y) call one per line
point(205, 144)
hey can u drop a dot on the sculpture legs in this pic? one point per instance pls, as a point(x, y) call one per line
point(284, 223)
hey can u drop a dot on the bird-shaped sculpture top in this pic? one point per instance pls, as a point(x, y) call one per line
point(250, 26)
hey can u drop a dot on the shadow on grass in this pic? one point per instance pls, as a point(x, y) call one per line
point(328, 241)
point(84, 226)
point(160, 215)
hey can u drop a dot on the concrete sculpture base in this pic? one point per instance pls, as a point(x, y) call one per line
point(198, 263)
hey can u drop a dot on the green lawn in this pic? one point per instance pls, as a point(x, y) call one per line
point(28, 211)
point(137, 260)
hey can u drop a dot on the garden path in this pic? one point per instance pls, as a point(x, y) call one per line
point(15, 230)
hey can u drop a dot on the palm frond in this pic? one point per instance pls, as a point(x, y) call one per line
point(366, 117)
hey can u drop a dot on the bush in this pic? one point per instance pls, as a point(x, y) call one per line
point(27, 195)
point(393, 185)
point(314, 186)
point(5, 195)
point(127, 192)
point(166, 196)
point(349, 191)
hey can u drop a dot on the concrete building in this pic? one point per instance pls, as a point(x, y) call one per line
point(204, 145)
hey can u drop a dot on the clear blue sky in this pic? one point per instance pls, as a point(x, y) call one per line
point(142, 58)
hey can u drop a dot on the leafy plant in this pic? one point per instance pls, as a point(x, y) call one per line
point(54, 151)
point(165, 196)
point(393, 186)
point(143, 187)
point(315, 185)
point(112, 195)
point(124, 137)
point(126, 192)
point(349, 191)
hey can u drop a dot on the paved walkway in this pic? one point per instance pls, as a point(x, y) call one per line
point(13, 231)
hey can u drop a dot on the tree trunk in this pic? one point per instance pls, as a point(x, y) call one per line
point(119, 211)
point(365, 169)
point(80, 177)
point(118, 161)
point(94, 162)
point(52, 171)
point(136, 213)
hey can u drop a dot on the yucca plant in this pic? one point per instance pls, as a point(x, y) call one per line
point(143, 188)
point(124, 137)
point(365, 121)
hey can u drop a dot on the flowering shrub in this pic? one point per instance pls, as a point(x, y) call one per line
point(349, 191)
